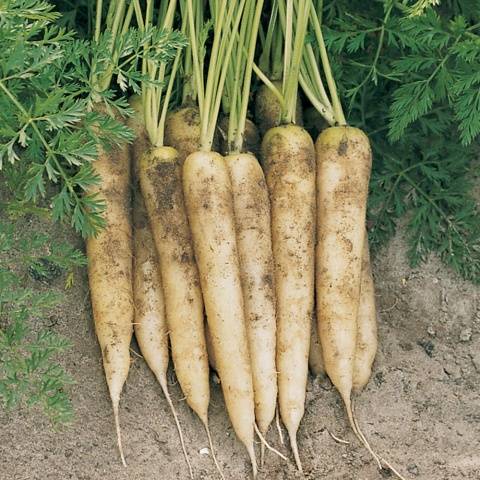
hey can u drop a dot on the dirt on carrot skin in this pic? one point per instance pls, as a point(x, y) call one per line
point(268, 109)
point(182, 131)
point(251, 137)
point(420, 409)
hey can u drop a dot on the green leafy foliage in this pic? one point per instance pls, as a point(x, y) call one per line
point(57, 107)
point(29, 373)
point(409, 72)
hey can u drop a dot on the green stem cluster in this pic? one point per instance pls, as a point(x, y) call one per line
point(226, 19)
point(294, 16)
point(311, 79)
point(155, 97)
point(301, 63)
point(239, 77)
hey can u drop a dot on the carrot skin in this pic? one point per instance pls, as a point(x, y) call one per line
point(268, 110)
point(160, 179)
point(344, 163)
point(315, 358)
point(289, 159)
point(110, 272)
point(209, 201)
point(182, 132)
point(366, 347)
point(253, 233)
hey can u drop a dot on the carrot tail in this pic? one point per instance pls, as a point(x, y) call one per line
point(253, 460)
point(210, 442)
point(264, 444)
point(379, 459)
point(262, 454)
point(163, 385)
point(357, 431)
point(117, 428)
point(279, 427)
point(293, 443)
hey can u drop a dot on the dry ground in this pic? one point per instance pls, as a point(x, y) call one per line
point(421, 409)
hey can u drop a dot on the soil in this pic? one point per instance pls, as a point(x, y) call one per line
point(421, 409)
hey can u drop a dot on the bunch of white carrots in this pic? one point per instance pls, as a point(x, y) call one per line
point(213, 231)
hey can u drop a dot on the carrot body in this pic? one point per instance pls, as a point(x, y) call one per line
point(162, 189)
point(252, 220)
point(182, 131)
point(150, 324)
point(366, 347)
point(289, 158)
point(208, 197)
point(344, 162)
point(110, 273)
point(150, 321)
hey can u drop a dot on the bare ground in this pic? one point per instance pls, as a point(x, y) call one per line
point(421, 408)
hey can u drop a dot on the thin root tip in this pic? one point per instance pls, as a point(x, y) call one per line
point(119, 435)
point(293, 443)
point(262, 454)
point(264, 444)
point(166, 393)
point(253, 460)
point(210, 442)
point(391, 469)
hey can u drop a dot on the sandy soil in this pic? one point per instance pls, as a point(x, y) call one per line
point(421, 408)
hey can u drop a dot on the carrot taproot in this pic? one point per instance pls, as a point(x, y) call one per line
point(289, 158)
point(211, 352)
point(366, 346)
point(250, 138)
point(182, 131)
point(268, 110)
point(160, 179)
point(315, 359)
point(150, 325)
point(253, 234)
point(110, 273)
point(209, 202)
point(344, 161)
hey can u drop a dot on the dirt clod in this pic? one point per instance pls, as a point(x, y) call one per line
point(428, 346)
point(466, 335)
point(413, 469)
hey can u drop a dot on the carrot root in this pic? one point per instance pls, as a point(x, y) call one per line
point(119, 434)
point(378, 458)
point(210, 442)
point(337, 439)
point(253, 460)
point(279, 427)
point(358, 433)
point(164, 388)
point(293, 444)
point(266, 444)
